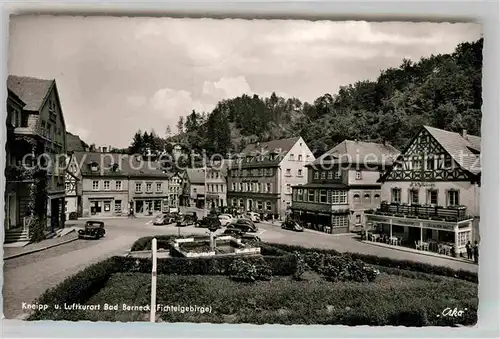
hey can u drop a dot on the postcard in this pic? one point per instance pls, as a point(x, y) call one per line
point(242, 171)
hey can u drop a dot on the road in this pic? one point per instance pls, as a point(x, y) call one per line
point(27, 277)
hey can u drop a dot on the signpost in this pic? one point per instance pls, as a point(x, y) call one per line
point(153, 283)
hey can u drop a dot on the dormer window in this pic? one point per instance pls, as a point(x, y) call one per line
point(94, 166)
point(115, 167)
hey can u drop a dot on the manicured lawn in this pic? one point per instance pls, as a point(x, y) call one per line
point(392, 299)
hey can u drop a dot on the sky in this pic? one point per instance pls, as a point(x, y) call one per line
point(116, 75)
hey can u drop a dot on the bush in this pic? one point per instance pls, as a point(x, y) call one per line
point(76, 289)
point(314, 256)
point(243, 270)
point(341, 268)
point(73, 216)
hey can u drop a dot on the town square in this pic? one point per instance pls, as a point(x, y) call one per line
point(359, 207)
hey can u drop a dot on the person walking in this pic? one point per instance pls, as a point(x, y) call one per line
point(476, 252)
point(468, 247)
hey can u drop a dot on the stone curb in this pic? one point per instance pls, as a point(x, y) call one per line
point(39, 249)
point(402, 249)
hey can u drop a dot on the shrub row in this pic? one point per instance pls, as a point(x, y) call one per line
point(386, 262)
point(76, 289)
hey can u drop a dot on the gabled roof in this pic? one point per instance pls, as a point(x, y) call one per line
point(461, 149)
point(259, 154)
point(74, 143)
point(32, 91)
point(196, 175)
point(359, 152)
point(126, 165)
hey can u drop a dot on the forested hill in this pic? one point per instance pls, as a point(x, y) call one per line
point(443, 91)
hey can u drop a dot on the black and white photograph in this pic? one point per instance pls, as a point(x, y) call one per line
point(234, 171)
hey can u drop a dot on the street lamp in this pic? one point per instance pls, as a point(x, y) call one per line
point(205, 187)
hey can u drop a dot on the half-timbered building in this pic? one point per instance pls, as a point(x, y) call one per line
point(431, 193)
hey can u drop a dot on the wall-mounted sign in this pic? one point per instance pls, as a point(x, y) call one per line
point(419, 184)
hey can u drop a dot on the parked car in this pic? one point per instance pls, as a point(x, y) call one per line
point(205, 222)
point(292, 225)
point(165, 219)
point(254, 216)
point(225, 219)
point(244, 225)
point(187, 219)
point(245, 237)
point(93, 230)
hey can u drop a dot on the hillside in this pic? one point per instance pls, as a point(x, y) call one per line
point(443, 91)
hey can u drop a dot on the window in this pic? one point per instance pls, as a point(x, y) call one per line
point(300, 196)
point(430, 163)
point(323, 175)
point(396, 195)
point(299, 172)
point(157, 205)
point(367, 198)
point(67, 186)
point(337, 174)
point(417, 164)
point(259, 205)
point(292, 157)
point(453, 198)
point(233, 187)
point(340, 221)
point(149, 187)
point(118, 206)
point(107, 206)
point(322, 196)
point(138, 187)
point(358, 175)
point(339, 197)
point(358, 219)
point(356, 198)
point(158, 187)
point(95, 185)
point(106, 185)
point(241, 203)
point(316, 175)
point(288, 188)
point(268, 205)
point(311, 196)
point(377, 197)
point(447, 162)
point(463, 238)
point(288, 172)
point(241, 187)
point(330, 174)
point(94, 166)
point(300, 157)
point(259, 187)
point(268, 188)
point(413, 197)
point(118, 185)
point(307, 157)
point(432, 197)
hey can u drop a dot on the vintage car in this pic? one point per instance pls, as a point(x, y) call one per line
point(187, 219)
point(244, 225)
point(292, 225)
point(165, 219)
point(225, 219)
point(93, 230)
point(254, 216)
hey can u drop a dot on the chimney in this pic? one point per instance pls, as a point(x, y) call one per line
point(464, 133)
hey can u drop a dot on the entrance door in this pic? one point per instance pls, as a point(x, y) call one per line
point(12, 211)
point(55, 209)
point(139, 206)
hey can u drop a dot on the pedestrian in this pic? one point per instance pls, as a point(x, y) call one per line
point(468, 247)
point(475, 250)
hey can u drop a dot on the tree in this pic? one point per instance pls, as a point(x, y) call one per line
point(180, 125)
point(137, 145)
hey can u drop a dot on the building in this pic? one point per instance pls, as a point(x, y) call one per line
point(75, 144)
point(341, 185)
point(114, 184)
point(174, 189)
point(431, 194)
point(216, 181)
point(261, 177)
point(193, 191)
point(35, 126)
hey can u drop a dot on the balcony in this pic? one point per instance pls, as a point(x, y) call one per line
point(439, 213)
point(19, 174)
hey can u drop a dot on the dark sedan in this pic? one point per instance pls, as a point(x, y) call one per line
point(292, 226)
point(245, 225)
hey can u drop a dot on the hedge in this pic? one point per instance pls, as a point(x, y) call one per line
point(386, 262)
point(76, 289)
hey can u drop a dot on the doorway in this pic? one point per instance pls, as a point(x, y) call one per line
point(11, 212)
point(95, 208)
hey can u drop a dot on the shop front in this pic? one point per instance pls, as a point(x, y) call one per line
point(425, 234)
point(150, 206)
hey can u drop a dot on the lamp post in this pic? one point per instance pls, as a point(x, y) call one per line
point(205, 190)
